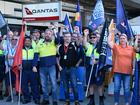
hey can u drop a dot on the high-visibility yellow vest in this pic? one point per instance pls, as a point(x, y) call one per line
point(96, 54)
point(138, 56)
point(28, 54)
point(34, 44)
point(46, 50)
point(1, 52)
point(89, 51)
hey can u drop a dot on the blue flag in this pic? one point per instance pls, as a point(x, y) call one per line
point(3, 25)
point(135, 92)
point(68, 24)
point(121, 17)
point(98, 16)
point(78, 21)
point(2, 21)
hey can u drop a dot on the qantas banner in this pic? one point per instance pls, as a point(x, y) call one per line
point(42, 12)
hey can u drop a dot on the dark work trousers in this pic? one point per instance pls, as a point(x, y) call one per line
point(29, 77)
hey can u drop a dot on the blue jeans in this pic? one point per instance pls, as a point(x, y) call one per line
point(118, 77)
point(69, 74)
point(50, 72)
point(81, 74)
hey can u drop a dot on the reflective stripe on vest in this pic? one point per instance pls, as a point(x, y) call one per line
point(27, 54)
point(89, 50)
point(96, 54)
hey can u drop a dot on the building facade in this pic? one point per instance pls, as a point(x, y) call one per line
point(12, 10)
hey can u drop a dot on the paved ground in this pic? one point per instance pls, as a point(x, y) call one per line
point(108, 101)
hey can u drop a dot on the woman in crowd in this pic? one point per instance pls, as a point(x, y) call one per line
point(123, 57)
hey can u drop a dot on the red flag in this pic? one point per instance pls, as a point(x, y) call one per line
point(18, 58)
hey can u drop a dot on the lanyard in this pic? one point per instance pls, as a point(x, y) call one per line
point(65, 49)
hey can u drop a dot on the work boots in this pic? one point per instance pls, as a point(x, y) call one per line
point(101, 100)
point(91, 101)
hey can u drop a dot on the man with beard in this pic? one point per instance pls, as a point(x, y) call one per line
point(47, 55)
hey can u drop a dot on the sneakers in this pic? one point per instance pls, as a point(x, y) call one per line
point(116, 104)
point(67, 103)
point(45, 102)
point(127, 103)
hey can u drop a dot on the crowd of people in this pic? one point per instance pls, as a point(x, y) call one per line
point(48, 56)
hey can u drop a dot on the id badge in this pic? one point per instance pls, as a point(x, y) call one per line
point(65, 57)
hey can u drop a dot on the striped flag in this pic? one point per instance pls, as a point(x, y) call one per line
point(78, 21)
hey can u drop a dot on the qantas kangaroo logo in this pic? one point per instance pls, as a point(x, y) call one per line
point(37, 11)
point(28, 12)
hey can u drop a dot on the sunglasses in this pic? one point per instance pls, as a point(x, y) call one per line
point(14, 39)
point(92, 37)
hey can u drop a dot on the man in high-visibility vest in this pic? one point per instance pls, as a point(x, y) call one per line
point(92, 58)
point(46, 52)
point(29, 74)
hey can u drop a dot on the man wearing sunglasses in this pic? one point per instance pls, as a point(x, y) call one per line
point(90, 43)
point(10, 51)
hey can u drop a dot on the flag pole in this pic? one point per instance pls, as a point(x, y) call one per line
point(9, 68)
point(133, 74)
point(89, 80)
point(19, 95)
point(11, 90)
point(20, 68)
